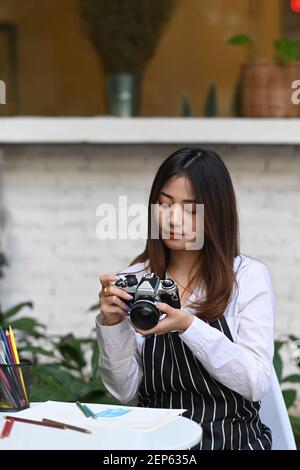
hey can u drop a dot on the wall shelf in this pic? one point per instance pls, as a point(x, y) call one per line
point(152, 130)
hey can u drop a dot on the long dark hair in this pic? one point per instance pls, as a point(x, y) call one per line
point(213, 187)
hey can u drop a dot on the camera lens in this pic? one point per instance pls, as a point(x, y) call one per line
point(144, 314)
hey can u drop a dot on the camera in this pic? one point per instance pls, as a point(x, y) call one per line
point(143, 311)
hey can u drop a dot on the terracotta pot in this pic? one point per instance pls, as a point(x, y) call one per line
point(266, 89)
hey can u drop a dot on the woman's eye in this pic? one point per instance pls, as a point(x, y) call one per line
point(164, 205)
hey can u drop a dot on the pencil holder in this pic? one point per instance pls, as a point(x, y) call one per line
point(15, 386)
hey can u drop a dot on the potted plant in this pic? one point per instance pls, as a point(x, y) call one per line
point(64, 367)
point(125, 35)
point(266, 84)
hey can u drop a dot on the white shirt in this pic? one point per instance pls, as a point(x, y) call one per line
point(244, 365)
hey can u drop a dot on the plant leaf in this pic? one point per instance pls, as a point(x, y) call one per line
point(36, 350)
point(289, 396)
point(240, 40)
point(288, 50)
point(60, 381)
point(277, 365)
point(71, 350)
point(45, 392)
point(295, 422)
point(278, 344)
point(93, 307)
point(42, 377)
point(291, 378)
point(293, 338)
point(14, 310)
point(95, 385)
point(29, 325)
point(95, 358)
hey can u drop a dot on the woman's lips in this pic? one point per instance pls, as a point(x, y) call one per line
point(170, 235)
point(175, 236)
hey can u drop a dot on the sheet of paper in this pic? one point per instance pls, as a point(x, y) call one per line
point(137, 418)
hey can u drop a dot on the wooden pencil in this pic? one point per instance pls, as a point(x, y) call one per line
point(39, 423)
point(7, 428)
point(68, 426)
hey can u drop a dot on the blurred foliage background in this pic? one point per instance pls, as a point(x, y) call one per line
point(64, 368)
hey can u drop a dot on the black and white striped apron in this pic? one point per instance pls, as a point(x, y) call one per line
point(174, 378)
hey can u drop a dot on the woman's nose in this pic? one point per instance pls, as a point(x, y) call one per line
point(176, 216)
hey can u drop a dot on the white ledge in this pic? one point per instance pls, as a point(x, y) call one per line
point(141, 130)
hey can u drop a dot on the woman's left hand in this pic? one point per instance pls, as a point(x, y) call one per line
point(175, 320)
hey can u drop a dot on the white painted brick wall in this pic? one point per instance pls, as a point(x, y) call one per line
point(52, 192)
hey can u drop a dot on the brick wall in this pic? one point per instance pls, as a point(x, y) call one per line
point(51, 194)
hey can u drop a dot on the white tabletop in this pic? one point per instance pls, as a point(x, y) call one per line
point(179, 434)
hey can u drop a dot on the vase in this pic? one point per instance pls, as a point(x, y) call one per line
point(123, 90)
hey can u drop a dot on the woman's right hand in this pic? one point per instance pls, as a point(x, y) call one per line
point(111, 304)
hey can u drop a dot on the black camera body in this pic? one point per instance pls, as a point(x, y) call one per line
point(143, 312)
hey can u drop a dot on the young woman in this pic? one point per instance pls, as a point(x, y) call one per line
point(213, 356)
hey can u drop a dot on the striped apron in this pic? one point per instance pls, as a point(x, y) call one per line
point(174, 378)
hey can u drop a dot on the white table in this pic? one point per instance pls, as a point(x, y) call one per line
point(179, 434)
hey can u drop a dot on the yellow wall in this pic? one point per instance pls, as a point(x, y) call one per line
point(59, 72)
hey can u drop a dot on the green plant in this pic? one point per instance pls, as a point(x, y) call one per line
point(211, 103)
point(287, 50)
point(185, 106)
point(243, 40)
point(240, 40)
point(289, 394)
point(64, 367)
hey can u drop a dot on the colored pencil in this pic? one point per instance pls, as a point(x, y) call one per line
point(16, 356)
point(39, 423)
point(68, 426)
point(7, 428)
point(83, 409)
point(12, 382)
point(8, 372)
point(16, 372)
point(6, 348)
point(90, 412)
point(7, 390)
